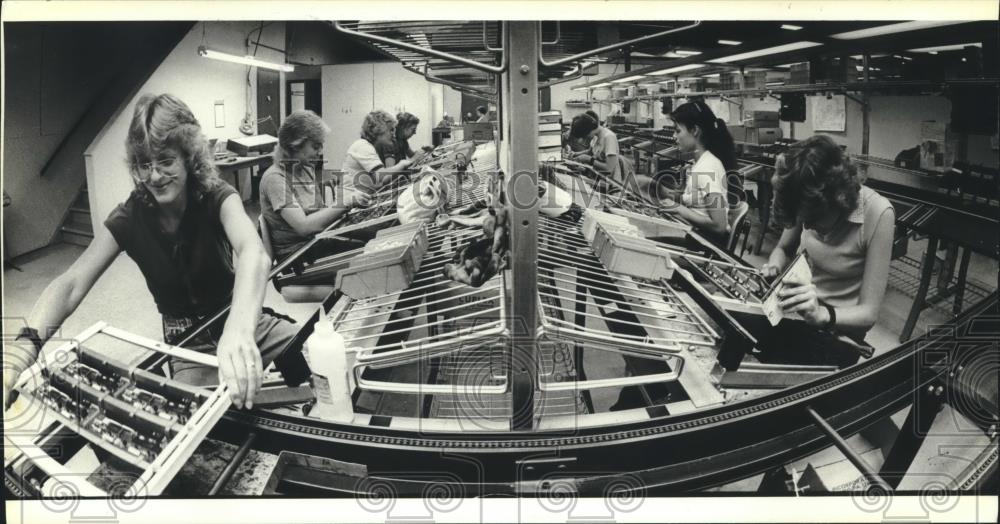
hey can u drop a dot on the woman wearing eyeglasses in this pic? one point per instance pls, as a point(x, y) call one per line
point(194, 244)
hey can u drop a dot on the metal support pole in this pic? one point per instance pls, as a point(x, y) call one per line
point(233, 464)
point(866, 128)
point(926, 405)
point(851, 455)
point(521, 102)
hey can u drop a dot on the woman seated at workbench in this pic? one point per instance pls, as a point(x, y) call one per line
point(845, 230)
point(603, 153)
point(292, 198)
point(703, 202)
point(406, 127)
point(363, 167)
point(578, 145)
point(196, 247)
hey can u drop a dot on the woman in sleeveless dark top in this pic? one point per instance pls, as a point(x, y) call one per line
point(184, 228)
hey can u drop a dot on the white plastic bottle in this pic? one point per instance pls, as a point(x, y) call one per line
point(328, 361)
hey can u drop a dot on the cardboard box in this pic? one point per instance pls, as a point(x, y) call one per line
point(763, 135)
point(760, 118)
point(478, 131)
point(799, 74)
point(938, 145)
point(739, 133)
point(754, 80)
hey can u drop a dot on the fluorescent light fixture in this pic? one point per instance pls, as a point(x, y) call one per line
point(894, 28)
point(713, 75)
point(784, 66)
point(628, 79)
point(684, 52)
point(603, 84)
point(764, 52)
point(730, 42)
point(245, 60)
point(580, 88)
point(932, 52)
point(791, 27)
point(678, 69)
point(956, 47)
point(774, 84)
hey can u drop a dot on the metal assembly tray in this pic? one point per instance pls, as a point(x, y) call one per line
point(143, 419)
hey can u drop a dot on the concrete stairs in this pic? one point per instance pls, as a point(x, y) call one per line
point(77, 228)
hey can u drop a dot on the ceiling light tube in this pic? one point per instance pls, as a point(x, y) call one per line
point(956, 47)
point(894, 28)
point(677, 69)
point(245, 60)
point(764, 52)
point(684, 52)
point(730, 42)
point(791, 27)
point(628, 79)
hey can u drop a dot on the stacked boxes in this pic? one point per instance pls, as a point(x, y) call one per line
point(622, 250)
point(761, 127)
point(549, 136)
point(755, 80)
point(757, 118)
point(799, 74)
point(837, 69)
point(388, 263)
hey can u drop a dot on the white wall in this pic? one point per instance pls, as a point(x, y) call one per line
point(199, 82)
point(350, 91)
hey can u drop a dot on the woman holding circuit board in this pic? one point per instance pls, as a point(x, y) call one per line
point(845, 231)
point(198, 250)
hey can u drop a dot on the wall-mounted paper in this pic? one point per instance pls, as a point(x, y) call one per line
point(828, 114)
point(220, 113)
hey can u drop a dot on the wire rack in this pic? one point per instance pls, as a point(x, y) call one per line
point(432, 317)
point(649, 317)
point(904, 276)
point(472, 375)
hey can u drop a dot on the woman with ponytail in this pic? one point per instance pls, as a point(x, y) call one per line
point(194, 244)
point(703, 202)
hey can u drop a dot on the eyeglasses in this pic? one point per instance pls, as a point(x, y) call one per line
point(144, 171)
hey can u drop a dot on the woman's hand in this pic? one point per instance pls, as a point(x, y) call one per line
point(769, 270)
point(360, 199)
point(240, 366)
point(799, 297)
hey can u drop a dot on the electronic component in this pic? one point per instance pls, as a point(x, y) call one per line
point(141, 418)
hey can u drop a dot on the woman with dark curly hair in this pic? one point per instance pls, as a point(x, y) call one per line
point(184, 228)
point(845, 230)
point(364, 168)
point(603, 153)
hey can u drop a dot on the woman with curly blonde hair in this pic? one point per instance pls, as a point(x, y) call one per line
point(845, 231)
point(363, 167)
point(184, 228)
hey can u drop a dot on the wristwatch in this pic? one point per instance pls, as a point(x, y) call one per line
point(831, 322)
point(31, 334)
